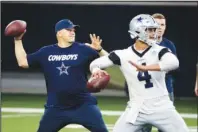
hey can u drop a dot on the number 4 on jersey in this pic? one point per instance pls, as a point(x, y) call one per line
point(145, 76)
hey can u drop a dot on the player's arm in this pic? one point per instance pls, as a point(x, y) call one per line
point(173, 50)
point(168, 62)
point(104, 62)
point(100, 63)
point(20, 53)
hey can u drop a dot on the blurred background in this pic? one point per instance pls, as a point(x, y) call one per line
point(109, 20)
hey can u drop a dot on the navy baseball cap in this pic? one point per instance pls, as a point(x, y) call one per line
point(64, 24)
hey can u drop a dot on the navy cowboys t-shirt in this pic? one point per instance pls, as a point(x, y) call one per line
point(65, 71)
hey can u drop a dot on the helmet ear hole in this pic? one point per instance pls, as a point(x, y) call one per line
point(137, 32)
point(133, 35)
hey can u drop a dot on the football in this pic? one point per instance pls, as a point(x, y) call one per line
point(96, 84)
point(15, 28)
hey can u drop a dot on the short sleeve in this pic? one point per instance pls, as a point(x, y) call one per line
point(114, 58)
point(35, 58)
point(90, 53)
point(162, 52)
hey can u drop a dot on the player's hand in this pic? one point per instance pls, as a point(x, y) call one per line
point(99, 73)
point(139, 67)
point(20, 36)
point(95, 42)
point(196, 90)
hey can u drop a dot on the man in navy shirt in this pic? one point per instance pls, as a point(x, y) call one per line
point(65, 65)
point(161, 20)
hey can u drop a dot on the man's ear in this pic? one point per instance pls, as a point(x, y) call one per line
point(59, 34)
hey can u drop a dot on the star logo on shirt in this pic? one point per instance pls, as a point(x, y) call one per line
point(63, 69)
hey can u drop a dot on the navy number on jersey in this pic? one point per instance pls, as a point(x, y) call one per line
point(145, 76)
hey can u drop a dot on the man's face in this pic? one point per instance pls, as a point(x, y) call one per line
point(68, 35)
point(151, 32)
point(162, 26)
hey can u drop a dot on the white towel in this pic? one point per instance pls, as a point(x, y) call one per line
point(134, 109)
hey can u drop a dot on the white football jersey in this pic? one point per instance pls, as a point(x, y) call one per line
point(149, 84)
point(147, 90)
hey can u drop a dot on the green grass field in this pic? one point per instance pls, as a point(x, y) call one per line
point(28, 122)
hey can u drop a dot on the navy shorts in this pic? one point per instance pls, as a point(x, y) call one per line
point(87, 115)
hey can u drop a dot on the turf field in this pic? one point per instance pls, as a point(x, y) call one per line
point(22, 120)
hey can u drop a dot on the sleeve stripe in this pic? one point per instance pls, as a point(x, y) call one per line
point(162, 52)
point(114, 58)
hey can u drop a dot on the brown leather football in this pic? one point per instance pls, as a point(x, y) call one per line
point(96, 84)
point(15, 28)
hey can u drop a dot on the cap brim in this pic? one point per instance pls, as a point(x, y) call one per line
point(73, 26)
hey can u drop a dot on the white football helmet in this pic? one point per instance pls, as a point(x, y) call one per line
point(138, 26)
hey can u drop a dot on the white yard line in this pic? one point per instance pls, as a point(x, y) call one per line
point(104, 112)
point(19, 115)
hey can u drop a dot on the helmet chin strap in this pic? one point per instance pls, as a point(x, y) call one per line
point(151, 42)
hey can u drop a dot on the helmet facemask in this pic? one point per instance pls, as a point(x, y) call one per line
point(146, 36)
